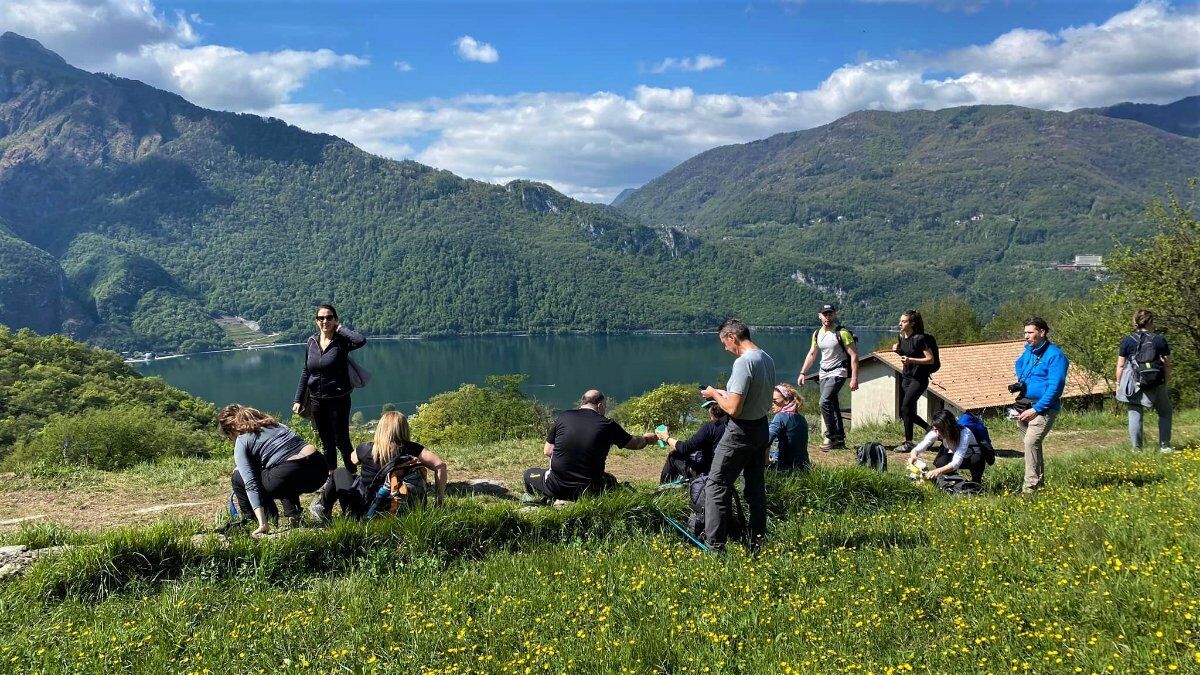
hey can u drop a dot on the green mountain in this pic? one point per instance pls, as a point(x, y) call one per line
point(162, 215)
point(133, 219)
point(1181, 117)
point(978, 200)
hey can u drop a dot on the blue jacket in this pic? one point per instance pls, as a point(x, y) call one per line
point(1044, 372)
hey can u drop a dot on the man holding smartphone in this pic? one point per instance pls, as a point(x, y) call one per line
point(743, 446)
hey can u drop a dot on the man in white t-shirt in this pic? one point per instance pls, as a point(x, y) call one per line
point(839, 360)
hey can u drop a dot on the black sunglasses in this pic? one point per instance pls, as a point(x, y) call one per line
point(326, 317)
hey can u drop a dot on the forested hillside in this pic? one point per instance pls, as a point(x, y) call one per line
point(132, 218)
point(977, 200)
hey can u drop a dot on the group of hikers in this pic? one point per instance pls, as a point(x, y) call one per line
point(754, 424)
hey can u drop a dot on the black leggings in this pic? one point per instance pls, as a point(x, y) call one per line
point(342, 489)
point(973, 463)
point(911, 388)
point(331, 418)
point(285, 481)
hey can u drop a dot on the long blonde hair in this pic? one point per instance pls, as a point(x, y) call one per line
point(236, 419)
point(390, 435)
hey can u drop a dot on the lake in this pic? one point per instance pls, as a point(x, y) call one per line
point(560, 367)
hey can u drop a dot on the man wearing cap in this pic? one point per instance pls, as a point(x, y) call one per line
point(743, 447)
point(839, 360)
point(693, 457)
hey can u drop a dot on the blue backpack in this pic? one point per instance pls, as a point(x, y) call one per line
point(979, 430)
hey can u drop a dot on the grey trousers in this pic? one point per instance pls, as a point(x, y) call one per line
point(1160, 399)
point(831, 409)
point(742, 449)
point(1034, 432)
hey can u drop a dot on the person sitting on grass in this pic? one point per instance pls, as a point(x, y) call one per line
point(693, 457)
point(392, 446)
point(578, 446)
point(959, 449)
point(788, 430)
point(272, 463)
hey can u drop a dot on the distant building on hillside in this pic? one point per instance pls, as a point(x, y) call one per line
point(973, 378)
point(1084, 262)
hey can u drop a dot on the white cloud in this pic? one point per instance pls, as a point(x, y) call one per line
point(133, 39)
point(691, 64)
point(593, 145)
point(470, 49)
point(967, 6)
point(403, 66)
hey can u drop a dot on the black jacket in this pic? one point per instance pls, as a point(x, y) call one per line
point(326, 373)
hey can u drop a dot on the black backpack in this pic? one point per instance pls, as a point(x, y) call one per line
point(1146, 362)
point(954, 484)
point(931, 342)
point(872, 455)
point(697, 492)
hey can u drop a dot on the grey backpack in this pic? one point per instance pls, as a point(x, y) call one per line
point(873, 455)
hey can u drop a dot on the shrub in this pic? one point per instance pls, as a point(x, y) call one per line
point(671, 404)
point(497, 411)
point(109, 439)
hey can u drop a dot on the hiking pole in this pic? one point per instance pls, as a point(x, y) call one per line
point(699, 544)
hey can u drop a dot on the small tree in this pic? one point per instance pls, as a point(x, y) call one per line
point(1088, 332)
point(1010, 316)
point(951, 320)
point(670, 404)
point(1162, 274)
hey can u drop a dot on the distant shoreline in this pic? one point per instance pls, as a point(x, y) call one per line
point(436, 336)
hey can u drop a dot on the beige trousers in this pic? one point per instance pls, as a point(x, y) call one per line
point(1034, 432)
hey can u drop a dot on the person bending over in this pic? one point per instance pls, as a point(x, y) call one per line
point(392, 445)
point(959, 449)
point(272, 463)
point(788, 430)
point(578, 446)
point(693, 457)
point(325, 382)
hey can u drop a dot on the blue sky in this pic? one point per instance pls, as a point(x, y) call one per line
point(593, 97)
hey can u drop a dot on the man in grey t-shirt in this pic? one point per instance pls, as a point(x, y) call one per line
point(743, 447)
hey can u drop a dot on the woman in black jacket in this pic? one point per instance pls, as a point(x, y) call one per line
point(325, 380)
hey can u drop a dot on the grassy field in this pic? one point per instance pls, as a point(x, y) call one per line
point(864, 572)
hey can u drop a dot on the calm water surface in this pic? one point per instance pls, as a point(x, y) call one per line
point(408, 372)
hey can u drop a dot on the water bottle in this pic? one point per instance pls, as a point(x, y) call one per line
point(233, 512)
point(661, 442)
point(382, 494)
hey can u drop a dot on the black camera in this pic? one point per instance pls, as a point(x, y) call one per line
point(1017, 388)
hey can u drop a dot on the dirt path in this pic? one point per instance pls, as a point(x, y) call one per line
point(106, 507)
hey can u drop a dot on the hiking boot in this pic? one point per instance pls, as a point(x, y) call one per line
point(1166, 449)
point(833, 445)
point(317, 509)
point(527, 498)
point(906, 446)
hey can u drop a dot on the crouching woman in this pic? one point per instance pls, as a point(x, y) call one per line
point(959, 449)
point(391, 452)
point(272, 463)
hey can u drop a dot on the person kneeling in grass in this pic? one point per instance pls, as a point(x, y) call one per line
point(272, 463)
point(578, 446)
point(391, 451)
point(959, 449)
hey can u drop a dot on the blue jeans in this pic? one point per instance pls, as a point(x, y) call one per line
point(1160, 399)
point(831, 409)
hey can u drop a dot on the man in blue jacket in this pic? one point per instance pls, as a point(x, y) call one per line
point(1041, 372)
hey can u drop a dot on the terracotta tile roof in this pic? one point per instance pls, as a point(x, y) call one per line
point(977, 376)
